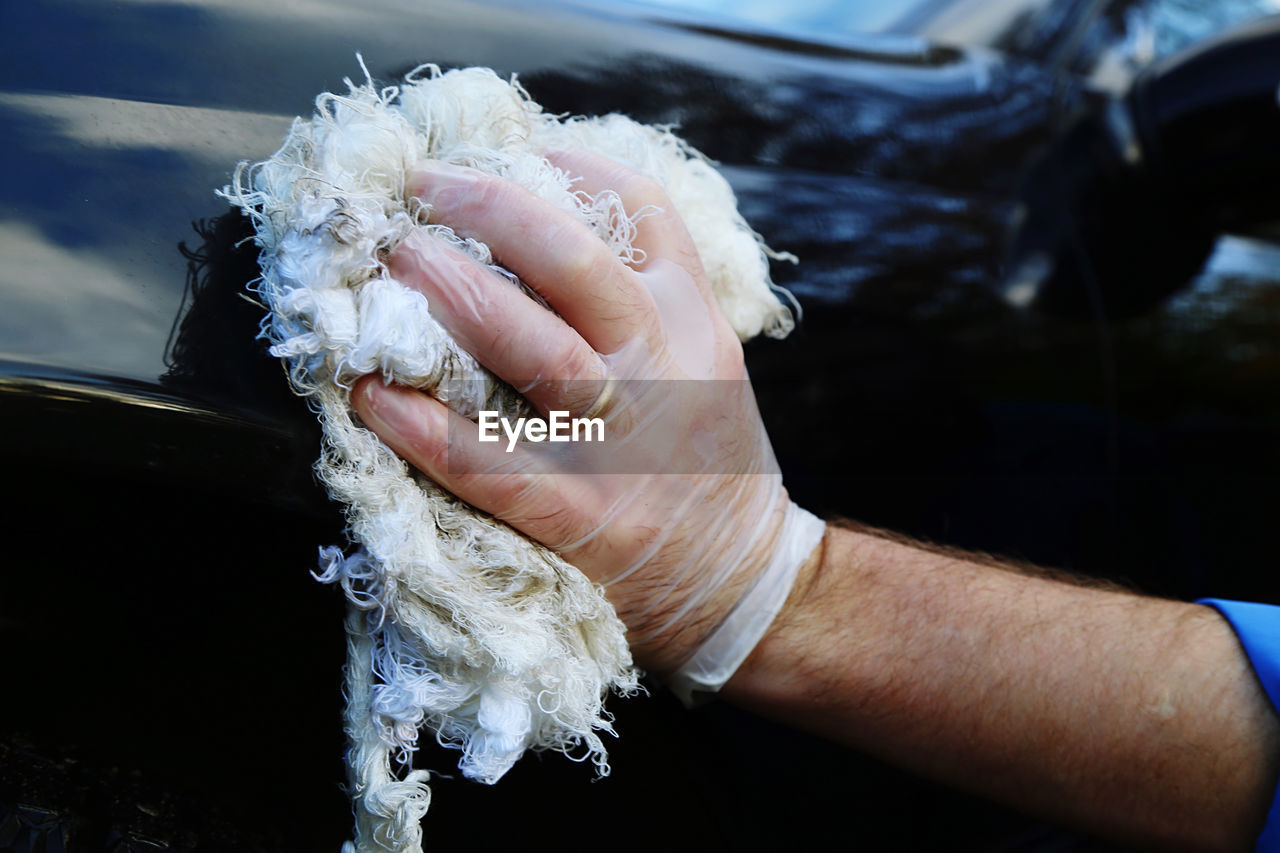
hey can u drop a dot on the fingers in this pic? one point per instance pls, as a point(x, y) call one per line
point(528, 346)
point(550, 250)
point(606, 306)
point(660, 233)
point(443, 445)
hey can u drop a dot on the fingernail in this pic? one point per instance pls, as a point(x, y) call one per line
point(415, 254)
point(430, 177)
point(385, 409)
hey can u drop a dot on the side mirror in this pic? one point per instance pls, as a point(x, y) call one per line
point(1125, 207)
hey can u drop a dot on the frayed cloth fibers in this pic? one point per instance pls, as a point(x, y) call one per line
point(457, 622)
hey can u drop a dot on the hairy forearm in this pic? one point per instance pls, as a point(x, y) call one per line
point(1136, 718)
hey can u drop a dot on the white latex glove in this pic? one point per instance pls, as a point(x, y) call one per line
point(680, 512)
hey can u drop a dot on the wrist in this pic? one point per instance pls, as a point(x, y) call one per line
point(780, 668)
point(753, 611)
point(700, 568)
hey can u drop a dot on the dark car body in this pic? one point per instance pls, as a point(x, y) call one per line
point(172, 673)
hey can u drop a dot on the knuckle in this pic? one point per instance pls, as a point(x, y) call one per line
point(579, 261)
point(507, 492)
point(625, 299)
point(503, 350)
point(637, 191)
point(576, 362)
point(648, 323)
point(574, 377)
point(485, 193)
point(436, 458)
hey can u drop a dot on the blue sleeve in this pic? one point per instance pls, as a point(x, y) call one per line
point(1258, 627)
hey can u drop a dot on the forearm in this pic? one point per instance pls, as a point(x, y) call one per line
point(1132, 717)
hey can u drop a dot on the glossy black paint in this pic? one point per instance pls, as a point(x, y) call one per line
point(159, 621)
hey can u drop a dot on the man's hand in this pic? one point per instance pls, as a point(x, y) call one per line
point(681, 508)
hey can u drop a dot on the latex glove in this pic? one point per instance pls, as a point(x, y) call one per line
point(680, 513)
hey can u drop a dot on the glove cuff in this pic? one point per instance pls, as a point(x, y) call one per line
point(720, 655)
